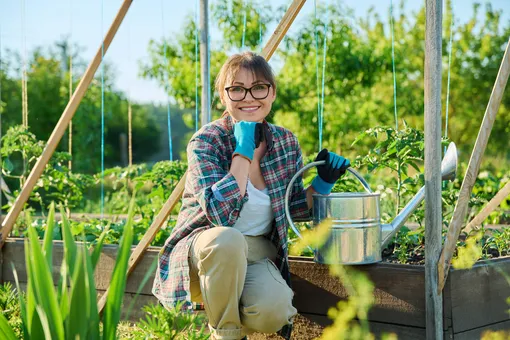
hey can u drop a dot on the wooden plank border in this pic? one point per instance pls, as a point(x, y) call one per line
point(399, 291)
point(460, 211)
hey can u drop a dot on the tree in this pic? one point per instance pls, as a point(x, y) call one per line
point(173, 60)
point(48, 95)
point(359, 79)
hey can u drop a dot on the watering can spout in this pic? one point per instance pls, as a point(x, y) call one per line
point(448, 172)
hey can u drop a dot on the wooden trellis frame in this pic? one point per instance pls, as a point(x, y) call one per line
point(493, 204)
point(460, 211)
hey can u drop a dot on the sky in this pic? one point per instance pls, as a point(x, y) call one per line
point(85, 21)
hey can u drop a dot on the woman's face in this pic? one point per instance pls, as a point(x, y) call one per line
point(248, 109)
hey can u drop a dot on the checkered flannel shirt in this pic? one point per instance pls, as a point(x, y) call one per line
point(212, 198)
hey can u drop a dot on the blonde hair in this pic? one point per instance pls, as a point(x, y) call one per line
point(247, 60)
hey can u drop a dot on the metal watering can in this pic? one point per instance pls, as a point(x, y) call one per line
point(357, 235)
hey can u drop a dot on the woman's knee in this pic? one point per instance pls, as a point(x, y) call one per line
point(223, 243)
point(270, 313)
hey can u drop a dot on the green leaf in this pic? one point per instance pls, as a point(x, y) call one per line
point(42, 284)
point(6, 332)
point(96, 253)
point(93, 319)
point(48, 334)
point(33, 322)
point(62, 291)
point(48, 235)
point(7, 165)
point(69, 245)
point(118, 282)
point(22, 303)
point(415, 166)
point(77, 321)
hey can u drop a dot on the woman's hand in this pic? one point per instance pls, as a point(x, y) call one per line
point(248, 136)
point(330, 172)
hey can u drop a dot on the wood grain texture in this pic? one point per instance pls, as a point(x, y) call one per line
point(13, 253)
point(480, 333)
point(460, 211)
point(62, 124)
point(478, 295)
point(282, 28)
point(399, 291)
point(433, 212)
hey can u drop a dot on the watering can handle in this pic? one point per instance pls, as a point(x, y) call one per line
point(308, 166)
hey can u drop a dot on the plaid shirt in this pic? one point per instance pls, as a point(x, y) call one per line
point(212, 198)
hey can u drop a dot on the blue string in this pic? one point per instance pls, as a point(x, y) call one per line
point(448, 86)
point(260, 31)
point(166, 85)
point(321, 116)
point(244, 29)
point(317, 71)
point(102, 111)
point(393, 65)
point(399, 171)
point(196, 66)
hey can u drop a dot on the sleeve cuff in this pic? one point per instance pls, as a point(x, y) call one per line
point(321, 186)
point(226, 189)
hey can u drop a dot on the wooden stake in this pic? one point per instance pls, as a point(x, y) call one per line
point(460, 211)
point(433, 213)
point(62, 124)
point(179, 189)
point(493, 204)
point(282, 28)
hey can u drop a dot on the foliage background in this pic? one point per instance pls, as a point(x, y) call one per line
point(358, 94)
point(358, 82)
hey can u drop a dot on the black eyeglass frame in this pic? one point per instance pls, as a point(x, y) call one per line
point(246, 92)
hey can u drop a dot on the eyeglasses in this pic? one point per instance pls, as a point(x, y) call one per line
point(238, 93)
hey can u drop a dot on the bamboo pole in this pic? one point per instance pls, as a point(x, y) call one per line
point(433, 213)
point(460, 211)
point(282, 28)
point(62, 124)
point(176, 195)
point(493, 204)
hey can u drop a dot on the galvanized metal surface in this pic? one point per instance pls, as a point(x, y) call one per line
point(355, 231)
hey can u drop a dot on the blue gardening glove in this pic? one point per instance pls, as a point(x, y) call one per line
point(330, 172)
point(248, 136)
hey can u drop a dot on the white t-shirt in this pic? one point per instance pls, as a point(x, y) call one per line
point(256, 215)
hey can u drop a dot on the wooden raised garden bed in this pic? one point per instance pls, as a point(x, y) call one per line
point(473, 300)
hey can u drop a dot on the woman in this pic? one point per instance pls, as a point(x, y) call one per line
point(228, 249)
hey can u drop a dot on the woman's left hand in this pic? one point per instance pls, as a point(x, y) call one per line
point(335, 167)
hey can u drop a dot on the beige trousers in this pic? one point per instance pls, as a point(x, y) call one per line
point(241, 288)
